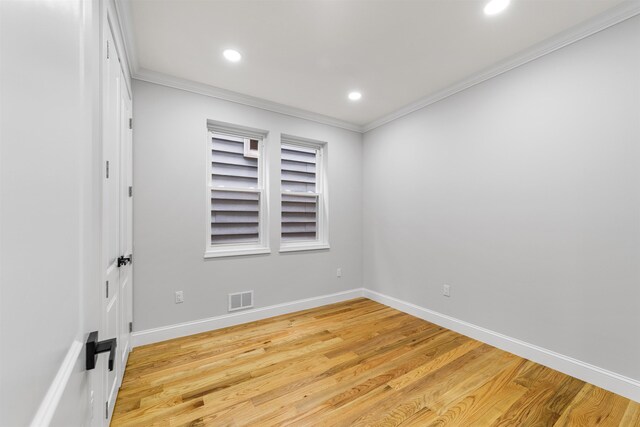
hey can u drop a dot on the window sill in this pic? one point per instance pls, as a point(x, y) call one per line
point(304, 247)
point(219, 253)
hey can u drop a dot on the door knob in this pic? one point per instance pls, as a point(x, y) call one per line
point(124, 260)
point(95, 347)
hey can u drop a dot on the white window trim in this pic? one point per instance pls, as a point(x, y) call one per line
point(322, 189)
point(239, 133)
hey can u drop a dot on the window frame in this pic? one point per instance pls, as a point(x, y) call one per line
point(239, 134)
point(322, 193)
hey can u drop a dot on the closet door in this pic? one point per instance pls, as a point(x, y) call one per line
point(112, 123)
point(125, 224)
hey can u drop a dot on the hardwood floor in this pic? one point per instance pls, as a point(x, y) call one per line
point(350, 364)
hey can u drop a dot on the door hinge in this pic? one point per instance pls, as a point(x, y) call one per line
point(106, 410)
point(107, 168)
point(130, 327)
point(130, 123)
point(130, 191)
point(107, 49)
point(107, 289)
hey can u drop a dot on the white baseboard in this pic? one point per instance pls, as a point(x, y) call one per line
point(164, 333)
point(50, 402)
point(608, 380)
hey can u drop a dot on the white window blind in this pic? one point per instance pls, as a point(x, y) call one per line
point(236, 190)
point(302, 198)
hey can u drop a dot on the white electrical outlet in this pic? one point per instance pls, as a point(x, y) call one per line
point(179, 297)
point(446, 290)
point(339, 272)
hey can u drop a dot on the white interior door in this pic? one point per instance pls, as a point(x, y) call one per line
point(117, 220)
point(126, 222)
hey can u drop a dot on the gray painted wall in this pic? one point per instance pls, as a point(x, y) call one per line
point(523, 194)
point(169, 187)
point(50, 205)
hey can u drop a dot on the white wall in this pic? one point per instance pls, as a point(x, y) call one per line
point(523, 194)
point(169, 212)
point(49, 226)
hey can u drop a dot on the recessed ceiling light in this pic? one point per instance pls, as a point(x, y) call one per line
point(355, 96)
point(232, 55)
point(496, 6)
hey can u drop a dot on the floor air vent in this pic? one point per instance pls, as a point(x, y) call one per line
point(240, 300)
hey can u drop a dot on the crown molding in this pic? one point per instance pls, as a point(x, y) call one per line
point(622, 12)
point(615, 15)
point(123, 15)
point(227, 95)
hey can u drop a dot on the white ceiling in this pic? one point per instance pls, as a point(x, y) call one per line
point(310, 54)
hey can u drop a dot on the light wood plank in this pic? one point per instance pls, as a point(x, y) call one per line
point(350, 364)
